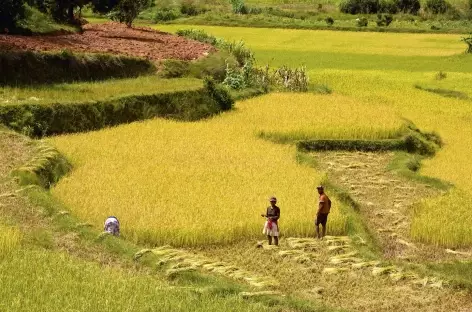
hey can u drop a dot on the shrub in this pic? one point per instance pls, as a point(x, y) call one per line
point(127, 10)
point(388, 6)
point(329, 21)
point(188, 7)
point(11, 11)
point(437, 6)
point(384, 20)
point(166, 14)
point(174, 69)
point(362, 22)
point(214, 66)
point(408, 6)
point(360, 6)
point(238, 7)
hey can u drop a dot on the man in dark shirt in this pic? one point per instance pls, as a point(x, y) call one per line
point(271, 228)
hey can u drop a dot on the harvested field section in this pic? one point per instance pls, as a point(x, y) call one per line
point(386, 200)
point(332, 272)
point(113, 38)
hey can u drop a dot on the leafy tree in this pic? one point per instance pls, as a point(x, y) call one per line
point(10, 12)
point(408, 6)
point(127, 10)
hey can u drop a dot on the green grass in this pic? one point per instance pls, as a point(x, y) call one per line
point(342, 50)
point(93, 91)
point(58, 282)
point(315, 21)
point(41, 23)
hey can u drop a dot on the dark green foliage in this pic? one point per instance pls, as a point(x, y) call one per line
point(188, 7)
point(329, 21)
point(219, 94)
point(127, 10)
point(11, 11)
point(213, 65)
point(388, 6)
point(174, 69)
point(362, 22)
point(238, 7)
point(166, 14)
point(352, 145)
point(23, 68)
point(384, 20)
point(408, 6)
point(360, 6)
point(41, 120)
point(437, 6)
point(104, 6)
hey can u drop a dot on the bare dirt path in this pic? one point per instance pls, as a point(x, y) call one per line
point(113, 38)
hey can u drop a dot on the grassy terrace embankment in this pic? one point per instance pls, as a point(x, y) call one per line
point(34, 68)
point(91, 106)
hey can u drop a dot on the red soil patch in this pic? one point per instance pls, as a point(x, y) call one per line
point(113, 38)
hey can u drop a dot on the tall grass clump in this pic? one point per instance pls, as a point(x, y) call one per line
point(9, 239)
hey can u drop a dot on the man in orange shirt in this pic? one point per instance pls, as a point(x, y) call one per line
point(324, 207)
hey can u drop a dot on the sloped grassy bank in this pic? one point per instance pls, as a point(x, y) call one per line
point(33, 68)
point(40, 120)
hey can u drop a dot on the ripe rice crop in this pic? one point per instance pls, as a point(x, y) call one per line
point(9, 239)
point(209, 181)
point(373, 76)
point(94, 91)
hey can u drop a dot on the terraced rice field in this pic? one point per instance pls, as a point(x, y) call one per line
point(207, 182)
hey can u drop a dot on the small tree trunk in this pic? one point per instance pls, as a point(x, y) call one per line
point(70, 13)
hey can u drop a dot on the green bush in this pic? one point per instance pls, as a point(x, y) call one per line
point(437, 6)
point(41, 120)
point(166, 14)
point(213, 65)
point(127, 10)
point(26, 67)
point(384, 20)
point(388, 6)
point(188, 7)
point(408, 6)
point(329, 21)
point(11, 11)
point(360, 6)
point(174, 69)
point(362, 21)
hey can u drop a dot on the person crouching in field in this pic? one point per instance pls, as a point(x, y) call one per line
point(112, 226)
point(271, 228)
point(324, 206)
